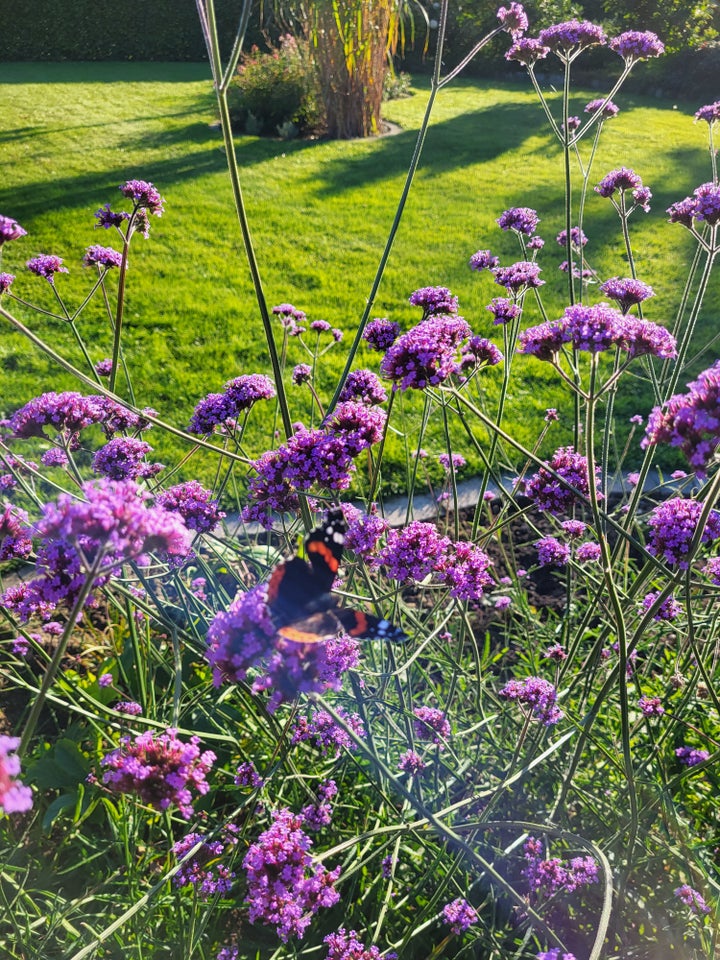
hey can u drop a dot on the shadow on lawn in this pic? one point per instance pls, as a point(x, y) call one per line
point(94, 189)
point(474, 137)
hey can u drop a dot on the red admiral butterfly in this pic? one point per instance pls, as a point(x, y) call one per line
point(301, 604)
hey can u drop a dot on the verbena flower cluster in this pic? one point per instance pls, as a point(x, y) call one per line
point(96, 534)
point(459, 915)
point(285, 886)
point(690, 421)
point(551, 875)
point(320, 457)
point(559, 485)
point(673, 526)
point(68, 413)
point(15, 797)
point(347, 945)
point(204, 870)
point(160, 769)
point(418, 550)
point(595, 329)
point(238, 395)
point(537, 694)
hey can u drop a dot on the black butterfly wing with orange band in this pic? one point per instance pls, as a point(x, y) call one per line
point(299, 593)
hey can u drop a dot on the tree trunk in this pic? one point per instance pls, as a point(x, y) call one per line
point(351, 44)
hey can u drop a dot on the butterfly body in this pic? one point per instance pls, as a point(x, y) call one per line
point(300, 597)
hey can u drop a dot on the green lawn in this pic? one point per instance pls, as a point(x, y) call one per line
point(319, 212)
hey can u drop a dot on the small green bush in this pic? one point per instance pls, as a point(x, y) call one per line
point(275, 93)
point(396, 86)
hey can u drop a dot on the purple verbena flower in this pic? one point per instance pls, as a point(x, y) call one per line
point(347, 945)
point(425, 356)
point(707, 203)
point(691, 756)
point(483, 260)
point(544, 341)
point(434, 300)
point(651, 706)
point(6, 281)
point(365, 386)
point(431, 724)
point(202, 870)
point(411, 762)
point(10, 230)
point(129, 707)
point(247, 776)
point(357, 424)
point(527, 50)
point(637, 45)
point(691, 898)
point(241, 636)
point(503, 310)
point(520, 219)
point(626, 292)
point(523, 275)
point(673, 525)
point(15, 797)
point(102, 257)
point(551, 551)
point(15, 534)
point(588, 552)
point(624, 180)
point(144, 195)
point(577, 237)
point(459, 915)
point(552, 954)
point(477, 352)
point(593, 328)
point(572, 36)
point(238, 395)
point(690, 421)
point(513, 19)
point(363, 530)
point(285, 886)
point(549, 493)
point(194, 503)
point(320, 326)
point(160, 769)
point(381, 333)
point(103, 368)
point(669, 609)
point(122, 459)
point(319, 815)
point(322, 732)
point(710, 112)
point(609, 109)
point(46, 265)
point(107, 219)
point(464, 568)
point(411, 552)
point(537, 694)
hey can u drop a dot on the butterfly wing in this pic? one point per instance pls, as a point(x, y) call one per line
point(324, 548)
point(364, 626)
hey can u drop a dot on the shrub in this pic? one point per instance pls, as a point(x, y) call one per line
point(396, 86)
point(275, 93)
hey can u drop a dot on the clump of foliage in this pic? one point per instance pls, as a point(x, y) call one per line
point(275, 92)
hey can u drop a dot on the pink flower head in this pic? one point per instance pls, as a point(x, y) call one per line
point(15, 797)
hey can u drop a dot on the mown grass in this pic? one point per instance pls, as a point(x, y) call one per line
point(320, 212)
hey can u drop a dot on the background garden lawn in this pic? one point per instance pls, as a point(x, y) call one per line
point(319, 212)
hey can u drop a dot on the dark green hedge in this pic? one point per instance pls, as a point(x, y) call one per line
point(108, 29)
